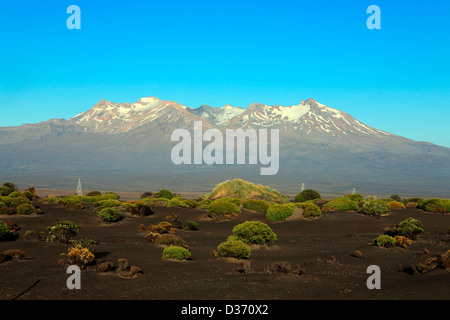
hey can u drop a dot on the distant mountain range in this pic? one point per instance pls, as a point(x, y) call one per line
point(127, 146)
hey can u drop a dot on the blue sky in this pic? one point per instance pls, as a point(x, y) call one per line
point(231, 52)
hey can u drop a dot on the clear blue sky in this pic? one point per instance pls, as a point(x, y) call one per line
point(219, 52)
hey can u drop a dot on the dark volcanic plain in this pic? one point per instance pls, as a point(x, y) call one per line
point(323, 248)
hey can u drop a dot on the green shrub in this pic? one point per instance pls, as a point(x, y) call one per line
point(204, 204)
point(341, 204)
point(375, 208)
point(384, 241)
point(178, 253)
point(93, 193)
point(233, 249)
point(26, 208)
point(110, 215)
point(15, 194)
point(409, 228)
point(256, 205)
point(191, 225)
point(164, 193)
point(191, 203)
point(163, 202)
point(415, 200)
point(355, 197)
point(169, 239)
point(279, 212)
point(219, 209)
point(178, 202)
point(253, 232)
point(108, 203)
point(17, 201)
point(310, 210)
point(140, 209)
point(70, 200)
point(6, 191)
point(92, 198)
point(5, 233)
point(111, 196)
point(434, 205)
point(308, 194)
point(236, 201)
point(62, 232)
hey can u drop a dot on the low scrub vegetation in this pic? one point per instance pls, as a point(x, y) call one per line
point(260, 206)
point(109, 215)
point(222, 209)
point(306, 195)
point(253, 232)
point(310, 210)
point(279, 212)
point(233, 249)
point(176, 253)
point(375, 208)
point(340, 204)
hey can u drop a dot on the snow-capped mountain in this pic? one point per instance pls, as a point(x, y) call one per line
point(308, 117)
point(130, 144)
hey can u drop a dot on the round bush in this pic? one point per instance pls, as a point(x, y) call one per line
point(62, 231)
point(355, 197)
point(254, 232)
point(178, 253)
point(108, 203)
point(191, 225)
point(434, 205)
point(17, 201)
point(375, 208)
point(395, 205)
point(70, 200)
point(111, 196)
point(233, 249)
point(222, 209)
point(93, 193)
point(341, 204)
point(279, 212)
point(308, 194)
point(384, 241)
point(164, 193)
point(110, 215)
point(178, 202)
point(5, 233)
point(310, 210)
point(256, 205)
point(409, 228)
point(141, 209)
point(26, 208)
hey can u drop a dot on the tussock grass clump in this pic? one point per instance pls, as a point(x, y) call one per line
point(242, 189)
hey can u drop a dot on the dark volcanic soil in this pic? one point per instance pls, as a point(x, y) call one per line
point(322, 247)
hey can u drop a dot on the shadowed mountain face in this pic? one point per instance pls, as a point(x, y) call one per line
point(127, 146)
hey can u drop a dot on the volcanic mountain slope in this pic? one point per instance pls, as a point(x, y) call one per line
point(131, 143)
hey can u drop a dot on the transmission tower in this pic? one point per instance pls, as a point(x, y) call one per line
point(79, 190)
point(303, 187)
point(354, 191)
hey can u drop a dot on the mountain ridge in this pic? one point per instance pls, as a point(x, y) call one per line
point(320, 144)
